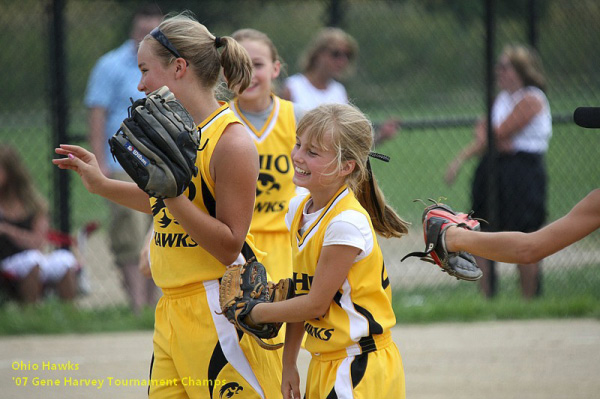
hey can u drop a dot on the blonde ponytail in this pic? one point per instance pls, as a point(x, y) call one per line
point(200, 48)
point(237, 65)
point(386, 221)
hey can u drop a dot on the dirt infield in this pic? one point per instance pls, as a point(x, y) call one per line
point(517, 359)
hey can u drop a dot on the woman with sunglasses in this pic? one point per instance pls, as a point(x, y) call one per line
point(197, 352)
point(328, 59)
point(522, 126)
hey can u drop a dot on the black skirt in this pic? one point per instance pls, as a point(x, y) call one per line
point(521, 188)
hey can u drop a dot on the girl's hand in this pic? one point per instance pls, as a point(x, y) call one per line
point(84, 163)
point(290, 382)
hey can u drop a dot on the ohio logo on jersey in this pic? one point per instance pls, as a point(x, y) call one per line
point(267, 188)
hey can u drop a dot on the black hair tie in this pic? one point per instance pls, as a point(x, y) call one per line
point(218, 42)
point(384, 158)
point(379, 156)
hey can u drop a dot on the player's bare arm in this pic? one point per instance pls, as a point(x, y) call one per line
point(234, 169)
point(290, 381)
point(332, 269)
point(525, 248)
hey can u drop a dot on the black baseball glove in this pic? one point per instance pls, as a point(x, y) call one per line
point(157, 145)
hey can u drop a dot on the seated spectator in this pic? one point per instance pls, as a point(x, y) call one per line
point(25, 267)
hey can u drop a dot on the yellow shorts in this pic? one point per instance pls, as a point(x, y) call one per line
point(377, 374)
point(278, 260)
point(199, 354)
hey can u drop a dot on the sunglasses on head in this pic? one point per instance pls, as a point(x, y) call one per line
point(162, 39)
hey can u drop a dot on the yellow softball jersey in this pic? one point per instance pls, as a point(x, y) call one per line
point(360, 316)
point(274, 143)
point(175, 258)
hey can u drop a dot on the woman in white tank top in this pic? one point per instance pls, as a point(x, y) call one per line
point(522, 126)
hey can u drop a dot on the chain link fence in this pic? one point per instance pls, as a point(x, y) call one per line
point(422, 62)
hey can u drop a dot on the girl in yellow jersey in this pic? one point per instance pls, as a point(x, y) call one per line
point(344, 296)
point(271, 123)
point(197, 353)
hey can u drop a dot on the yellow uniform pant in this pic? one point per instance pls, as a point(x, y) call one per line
point(199, 354)
point(377, 374)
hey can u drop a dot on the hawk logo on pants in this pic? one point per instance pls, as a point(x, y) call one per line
point(230, 389)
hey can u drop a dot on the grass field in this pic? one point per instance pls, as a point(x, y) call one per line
point(572, 293)
point(568, 293)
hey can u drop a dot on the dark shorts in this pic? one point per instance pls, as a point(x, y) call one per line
point(521, 187)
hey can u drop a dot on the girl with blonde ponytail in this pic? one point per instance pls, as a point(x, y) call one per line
point(343, 295)
point(197, 352)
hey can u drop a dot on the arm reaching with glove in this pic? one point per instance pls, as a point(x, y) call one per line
point(437, 220)
point(527, 248)
point(332, 269)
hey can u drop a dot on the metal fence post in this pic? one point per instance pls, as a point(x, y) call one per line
point(492, 164)
point(59, 108)
point(490, 89)
point(335, 13)
point(532, 24)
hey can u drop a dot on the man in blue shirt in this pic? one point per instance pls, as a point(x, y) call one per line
point(113, 81)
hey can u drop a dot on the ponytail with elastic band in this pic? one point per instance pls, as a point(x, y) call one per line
point(386, 221)
point(218, 42)
point(383, 158)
